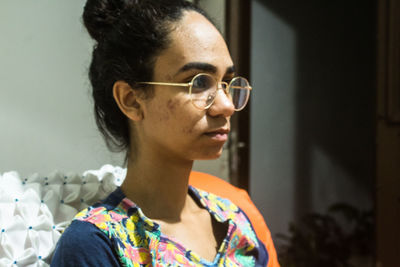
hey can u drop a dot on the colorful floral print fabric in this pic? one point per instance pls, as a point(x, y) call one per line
point(138, 241)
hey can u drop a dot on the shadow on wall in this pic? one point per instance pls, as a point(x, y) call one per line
point(334, 98)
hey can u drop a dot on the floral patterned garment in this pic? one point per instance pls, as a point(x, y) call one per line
point(137, 240)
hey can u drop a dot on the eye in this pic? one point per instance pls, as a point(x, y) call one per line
point(202, 83)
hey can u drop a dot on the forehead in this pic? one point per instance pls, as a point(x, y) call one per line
point(194, 39)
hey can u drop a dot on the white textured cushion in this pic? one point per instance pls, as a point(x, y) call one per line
point(34, 211)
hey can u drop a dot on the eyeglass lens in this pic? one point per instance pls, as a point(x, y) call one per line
point(239, 91)
point(204, 90)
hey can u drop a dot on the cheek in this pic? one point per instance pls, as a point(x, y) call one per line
point(187, 130)
point(164, 111)
point(171, 105)
point(168, 112)
point(181, 115)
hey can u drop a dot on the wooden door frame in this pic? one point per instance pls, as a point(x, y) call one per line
point(237, 31)
point(389, 49)
point(388, 134)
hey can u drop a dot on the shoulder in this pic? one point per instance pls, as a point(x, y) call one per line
point(86, 241)
point(104, 213)
point(83, 244)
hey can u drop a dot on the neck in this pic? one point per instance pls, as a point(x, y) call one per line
point(159, 186)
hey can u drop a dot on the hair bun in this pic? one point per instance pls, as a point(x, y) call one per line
point(99, 16)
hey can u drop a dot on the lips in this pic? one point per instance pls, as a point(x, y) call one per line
point(219, 134)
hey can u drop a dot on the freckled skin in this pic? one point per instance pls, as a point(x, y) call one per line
point(171, 122)
point(188, 131)
point(171, 105)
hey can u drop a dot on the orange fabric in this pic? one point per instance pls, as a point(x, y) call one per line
point(240, 198)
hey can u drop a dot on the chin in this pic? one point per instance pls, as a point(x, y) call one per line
point(210, 155)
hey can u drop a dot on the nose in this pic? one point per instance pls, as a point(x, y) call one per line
point(222, 105)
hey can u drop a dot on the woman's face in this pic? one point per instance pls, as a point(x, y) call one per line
point(171, 124)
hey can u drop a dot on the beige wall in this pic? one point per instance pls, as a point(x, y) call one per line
point(45, 107)
point(46, 120)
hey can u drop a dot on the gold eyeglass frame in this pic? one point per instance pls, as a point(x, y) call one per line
point(190, 84)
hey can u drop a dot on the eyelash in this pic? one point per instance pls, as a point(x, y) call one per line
point(190, 78)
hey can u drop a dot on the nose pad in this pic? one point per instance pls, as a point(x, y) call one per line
point(224, 87)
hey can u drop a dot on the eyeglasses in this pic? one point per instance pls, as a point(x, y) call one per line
point(203, 90)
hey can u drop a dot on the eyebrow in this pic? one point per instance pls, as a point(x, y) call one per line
point(203, 67)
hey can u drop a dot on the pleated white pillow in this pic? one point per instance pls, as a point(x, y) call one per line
point(34, 211)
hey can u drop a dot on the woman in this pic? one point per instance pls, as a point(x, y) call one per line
point(156, 73)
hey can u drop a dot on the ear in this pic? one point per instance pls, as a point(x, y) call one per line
point(128, 100)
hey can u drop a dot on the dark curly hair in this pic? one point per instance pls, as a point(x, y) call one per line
point(129, 35)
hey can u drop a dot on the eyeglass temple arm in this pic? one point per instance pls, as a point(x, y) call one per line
point(169, 84)
point(187, 84)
